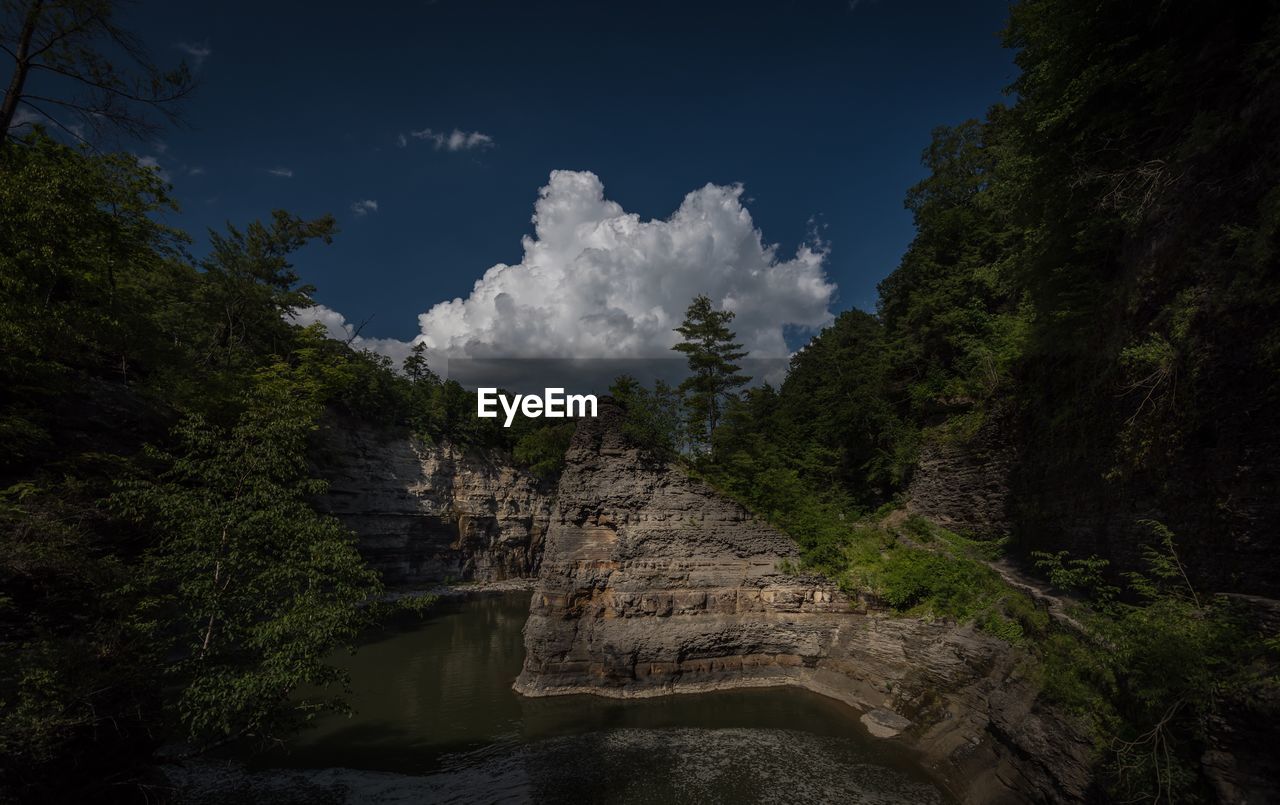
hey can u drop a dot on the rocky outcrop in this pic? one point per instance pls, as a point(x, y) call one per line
point(652, 583)
point(963, 484)
point(1024, 475)
point(431, 513)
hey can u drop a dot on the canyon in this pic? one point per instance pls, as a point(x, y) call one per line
point(648, 582)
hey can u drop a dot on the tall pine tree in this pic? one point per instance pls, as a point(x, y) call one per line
point(716, 377)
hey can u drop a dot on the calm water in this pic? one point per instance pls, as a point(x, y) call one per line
point(437, 721)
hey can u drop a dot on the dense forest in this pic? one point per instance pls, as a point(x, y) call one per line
point(1093, 282)
point(164, 572)
point(1094, 287)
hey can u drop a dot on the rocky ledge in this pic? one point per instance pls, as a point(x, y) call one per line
point(653, 583)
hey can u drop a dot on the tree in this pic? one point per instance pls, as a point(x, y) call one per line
point(711, 351)
point(416, 367)
point(76, 69)
point(89, 280)
point(654, 419)
point(832, 420)
point(247, 589)
point(250, 285)
point(542, 449)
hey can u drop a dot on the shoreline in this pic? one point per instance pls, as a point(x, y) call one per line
point(464, 589)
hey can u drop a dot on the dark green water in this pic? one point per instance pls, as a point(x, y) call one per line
point(437, 722)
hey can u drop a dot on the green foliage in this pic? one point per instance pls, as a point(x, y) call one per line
point(906, 564)
point(246, 586)
point(916, 567)
point(654, 420)
point(1086, 576)
point(542, 450)
point(85, 276)
point(74, 685)
point(955, 320)
point(247, 288)
point(834, 401)
point(829, 427)
point(714, 375)
point(105, 610)
point(1153, 669)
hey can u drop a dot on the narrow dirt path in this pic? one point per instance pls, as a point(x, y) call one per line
point(1041, 593)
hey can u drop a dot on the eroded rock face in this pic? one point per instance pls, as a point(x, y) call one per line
point(653, 583)
point(964, 486)
point(430, 513)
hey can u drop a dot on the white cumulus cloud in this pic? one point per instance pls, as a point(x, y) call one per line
point(364, 207)
point(597, 281)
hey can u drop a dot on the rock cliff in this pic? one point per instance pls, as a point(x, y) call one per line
point(1014, 476)
point(652, 583)
point(430, 513)
point(964, 485)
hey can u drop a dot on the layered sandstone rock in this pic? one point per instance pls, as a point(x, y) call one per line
point(430, 513)
point(653, 583)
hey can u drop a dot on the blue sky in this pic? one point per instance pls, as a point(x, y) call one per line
point(819, 109)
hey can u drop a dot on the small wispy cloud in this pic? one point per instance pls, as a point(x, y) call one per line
point(197, 51)
point(25, 118)
point(153, 164)
point(284, 173)
point(195, 170)
point(402, 140)
point(456, 140)
point(364, 207)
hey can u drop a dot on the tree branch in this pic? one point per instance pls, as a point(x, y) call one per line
point(114, 90)
point(79, 137)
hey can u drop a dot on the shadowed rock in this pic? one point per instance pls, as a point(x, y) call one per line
point(428, 513)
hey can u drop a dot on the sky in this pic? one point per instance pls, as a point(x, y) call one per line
point(759, 153)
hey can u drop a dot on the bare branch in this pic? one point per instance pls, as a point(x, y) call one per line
point(179, 94)
point(78, 137)
point(77, 40)
point(355, 331)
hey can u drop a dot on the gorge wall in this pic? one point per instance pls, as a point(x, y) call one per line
point(1012, 477)
point(428, 513)
point(652, 583)
point(964, 485)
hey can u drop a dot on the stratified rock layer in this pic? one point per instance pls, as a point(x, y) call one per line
point(430, 513)
point(653, 583)
point(964, 485)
